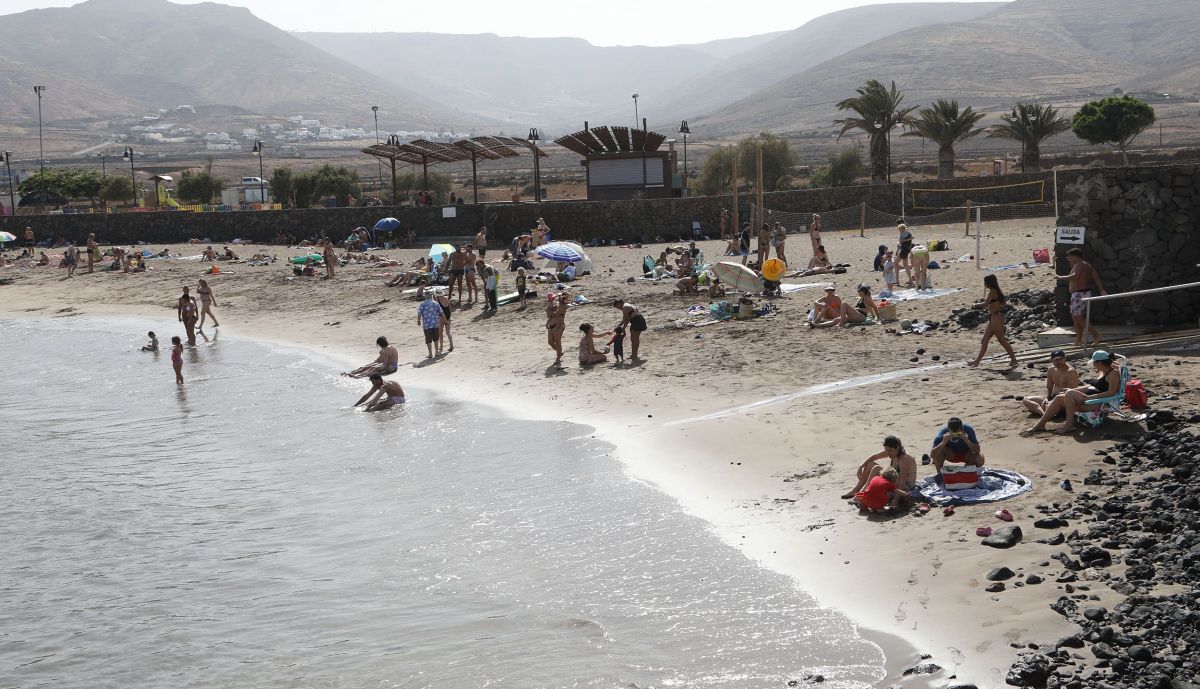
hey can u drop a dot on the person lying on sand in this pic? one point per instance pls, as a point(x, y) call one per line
point(881, 492)
point(383, 394)
point(898, 460)
point(1060, 377)
point(385, 363)
point(416, 271)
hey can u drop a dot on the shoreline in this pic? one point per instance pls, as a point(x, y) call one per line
point(899, 652)
point(766, 478)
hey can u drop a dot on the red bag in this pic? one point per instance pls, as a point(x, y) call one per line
point(1135, 395)
point(1041, 255)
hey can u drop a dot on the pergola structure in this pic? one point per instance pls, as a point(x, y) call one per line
point(422, 152)
point(623, 162)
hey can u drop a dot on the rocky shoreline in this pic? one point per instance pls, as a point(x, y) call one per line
point(1134, 533)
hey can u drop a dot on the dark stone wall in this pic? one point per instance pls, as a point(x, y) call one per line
point(1141, 234)
point(582, 220)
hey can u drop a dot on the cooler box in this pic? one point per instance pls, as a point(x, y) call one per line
point(958, 477)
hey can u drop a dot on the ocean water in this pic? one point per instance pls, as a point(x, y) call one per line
point(251, 530)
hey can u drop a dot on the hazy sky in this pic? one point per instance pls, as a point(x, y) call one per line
point(603, 22)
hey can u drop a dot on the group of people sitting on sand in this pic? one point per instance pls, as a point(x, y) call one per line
point(831, 310)
point(893, 484)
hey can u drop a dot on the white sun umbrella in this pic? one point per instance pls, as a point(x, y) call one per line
point(736, 276)
point(7, 237)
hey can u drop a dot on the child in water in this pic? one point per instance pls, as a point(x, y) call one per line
point(177, 359)
point(618, 344)
point(152, 345)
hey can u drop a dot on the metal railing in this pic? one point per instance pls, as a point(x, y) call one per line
point(1087, 325)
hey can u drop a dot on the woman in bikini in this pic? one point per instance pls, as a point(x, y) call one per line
point(779, 241)
point(1107, 382)
point(866, 304)
point(898, 459)
point(207, 301)
point(994, 302)
point(920, 261)
point(556, 323)
point(330, 257)
point(588, 356)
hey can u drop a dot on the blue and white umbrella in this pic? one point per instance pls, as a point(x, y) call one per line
point(560, 252)
point(387, 224)
point(7, 237)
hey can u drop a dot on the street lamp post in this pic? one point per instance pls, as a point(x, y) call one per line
point(132, 175)
point(12, 199)
point(103, 169)
point(683, 129)
point(378, 163)
point(635, 111)
point(1021, 117)
point(262, 183)
point(41, 145)
point(534, 137)
point(394, 142)
point(644, 157)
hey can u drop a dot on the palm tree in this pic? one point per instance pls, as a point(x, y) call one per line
point(878, 112)
point(945, 125)
point(1031, 124)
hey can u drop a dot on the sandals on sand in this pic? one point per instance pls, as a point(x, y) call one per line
point(983, 531)
point(1004, 516)
point(948, 511)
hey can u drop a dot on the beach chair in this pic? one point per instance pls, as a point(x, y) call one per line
point(1100, 409)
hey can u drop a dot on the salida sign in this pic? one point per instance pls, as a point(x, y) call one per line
point(1069, 235)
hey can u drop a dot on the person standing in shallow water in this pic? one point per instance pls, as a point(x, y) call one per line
point(177, 359)
point(185, 309)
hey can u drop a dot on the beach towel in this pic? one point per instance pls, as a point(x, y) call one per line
point(994, 485)
point(788, 288)
point(917, 295)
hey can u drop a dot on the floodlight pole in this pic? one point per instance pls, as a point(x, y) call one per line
point(643, 157)
point(41, 144)
point(12, 199)
point(394, 141)
point(262, 183)
point(132, 174)
point(378, 163)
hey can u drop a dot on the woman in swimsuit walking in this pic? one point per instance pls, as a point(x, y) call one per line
point(177, 359)
point(207, 301)
point(814, 233)
point(556, 323)
point(994, 302)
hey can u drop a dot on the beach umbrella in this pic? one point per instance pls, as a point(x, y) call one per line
point(737, 277)
point(7, 237)
point(387, 224)
point(435, 251)
point(560, 252)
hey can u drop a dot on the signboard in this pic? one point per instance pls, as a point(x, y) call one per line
point(1069, 235)
point(449, 212)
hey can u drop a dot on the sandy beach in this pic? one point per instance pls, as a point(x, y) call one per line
point(767, 477)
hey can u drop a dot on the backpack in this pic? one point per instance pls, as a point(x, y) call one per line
point(648, 265)
point(1135, 394)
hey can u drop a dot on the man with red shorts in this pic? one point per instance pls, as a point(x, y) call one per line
point(956, 443)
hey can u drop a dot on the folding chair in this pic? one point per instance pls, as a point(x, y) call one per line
point(1097, 410)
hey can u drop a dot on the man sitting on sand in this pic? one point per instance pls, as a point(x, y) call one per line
point(956, 442)
point(1060, 377)
point(831, 310)
point(898, 460)
point(385, 363)
point(208, 254)
point(383, 394)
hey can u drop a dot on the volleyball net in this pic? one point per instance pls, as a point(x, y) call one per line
point(863, 217)
point(1034, 192)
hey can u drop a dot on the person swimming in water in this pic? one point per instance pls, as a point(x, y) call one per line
point(383, 394)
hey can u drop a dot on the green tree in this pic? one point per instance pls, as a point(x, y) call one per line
point(877, 111)
point(282, 185)
point(67, 182)
point(778, 159)
point(716, 175)
point(116, 189)
point(304, 189)
point(844, 169)
point(1115, 120)
point(339, 182)
point(945, 124)
point(1030, 124)
point(198, 187)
